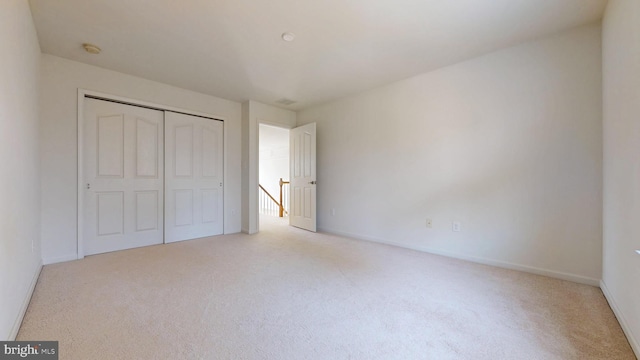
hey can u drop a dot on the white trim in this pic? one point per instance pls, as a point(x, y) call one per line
point(130, 101)
point(25, 304)
point(225, 175)
point(501, 264)
point(254, 176)
point(633, 341)
point(80, 196)
point(276, 125)
point(82, 94)
point(59, 259)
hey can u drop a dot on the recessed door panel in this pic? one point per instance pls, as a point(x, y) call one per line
point(297, 202)
point(110, 146)
point(110, 211)
point(183, 151)
point(147, 209)
point(296, 156)
point(210, 145)
point(183, 207)
point(306, 155)
point(146, 148)
point(307, 203)
point(210, 200)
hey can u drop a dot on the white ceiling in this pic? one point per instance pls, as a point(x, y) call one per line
point(232, 48)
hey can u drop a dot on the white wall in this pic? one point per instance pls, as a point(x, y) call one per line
point(253, 114)
point(20, 176)
point(60, 81)
point(621, 105)
point(509, 144)
point(274, 116)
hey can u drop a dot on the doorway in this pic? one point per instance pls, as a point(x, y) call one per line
point(273, 173)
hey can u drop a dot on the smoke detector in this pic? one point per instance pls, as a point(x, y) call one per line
point(288, 36)
point(91, 49)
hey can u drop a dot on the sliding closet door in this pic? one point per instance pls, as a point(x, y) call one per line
point(123, 176)
point(193, 177)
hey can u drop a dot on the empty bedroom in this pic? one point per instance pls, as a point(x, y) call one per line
point(361, 179)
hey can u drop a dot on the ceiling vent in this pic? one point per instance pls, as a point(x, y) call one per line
point(285, 101)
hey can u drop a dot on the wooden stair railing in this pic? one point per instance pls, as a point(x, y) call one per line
point(282, 210)
point(279, 204)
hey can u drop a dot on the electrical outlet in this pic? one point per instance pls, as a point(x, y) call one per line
point(429, 223)
point(456, 226)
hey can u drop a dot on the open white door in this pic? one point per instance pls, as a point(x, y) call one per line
point(303, 177)
point(193, 177)
point(123, 176)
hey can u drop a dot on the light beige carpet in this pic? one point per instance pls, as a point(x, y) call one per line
point(290, 294)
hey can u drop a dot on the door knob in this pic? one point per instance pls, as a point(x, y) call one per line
point(312, 182)
point(88, 186)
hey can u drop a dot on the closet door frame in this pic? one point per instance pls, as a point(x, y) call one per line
point(82, 94)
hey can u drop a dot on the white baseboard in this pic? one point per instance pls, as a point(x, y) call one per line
point(506, 265)
point(58, 259)
point(25, 305)
point(633, 341)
